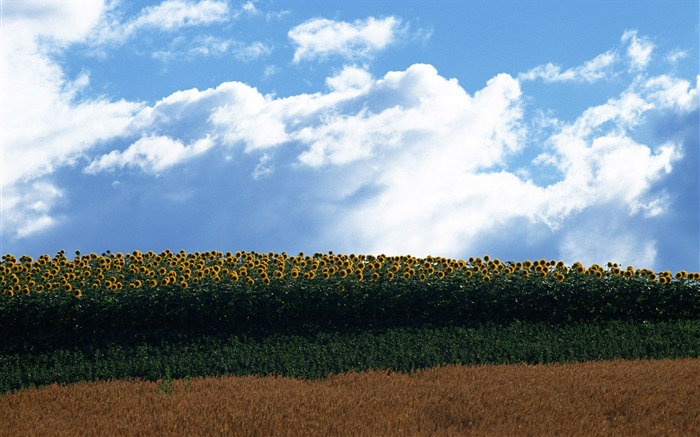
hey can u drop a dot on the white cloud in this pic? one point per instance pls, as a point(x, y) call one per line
point(406, 105)
point(597, 68)
point(638, 53)
point(436, 161)
point(168, 16)
point(43, 124)
point(27, 208)
point(269, 71)
point(151, 154)
point(675, 56)
point(673, 93)
point(248, 118)
point(600, 162)
point(264, 167)
point(320, 37)
point(62, 22)
point(182, 48)
point(349, 78)
point(639, 50)
point(174, 14)
point(607, 168)
point(252, 51)
point(250, 8)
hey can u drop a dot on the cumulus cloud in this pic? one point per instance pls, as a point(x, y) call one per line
point(321, 38)
point(412, 104)
point(445, 188)
point(601, 162)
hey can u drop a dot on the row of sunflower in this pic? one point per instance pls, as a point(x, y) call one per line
point(118, 271)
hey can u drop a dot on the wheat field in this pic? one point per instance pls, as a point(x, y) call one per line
point(644, 397)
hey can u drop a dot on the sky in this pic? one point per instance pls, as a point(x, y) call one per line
point(561, 130)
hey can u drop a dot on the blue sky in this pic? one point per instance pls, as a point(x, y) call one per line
point(520, 129)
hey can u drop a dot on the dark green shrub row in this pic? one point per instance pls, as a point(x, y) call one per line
point(321, 353)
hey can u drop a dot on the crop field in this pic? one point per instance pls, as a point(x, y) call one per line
point(633, 398)
point(250, 343)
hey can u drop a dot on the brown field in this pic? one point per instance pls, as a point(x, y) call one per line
point(637, 398)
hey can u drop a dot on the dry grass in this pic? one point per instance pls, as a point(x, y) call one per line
point(600, 398)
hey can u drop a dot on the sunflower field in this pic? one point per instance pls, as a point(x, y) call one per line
point(147, 290)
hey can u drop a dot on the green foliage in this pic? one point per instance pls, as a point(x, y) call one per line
point(319, 353)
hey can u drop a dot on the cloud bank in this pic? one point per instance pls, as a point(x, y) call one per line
point(408, 161)
point(424, 165)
